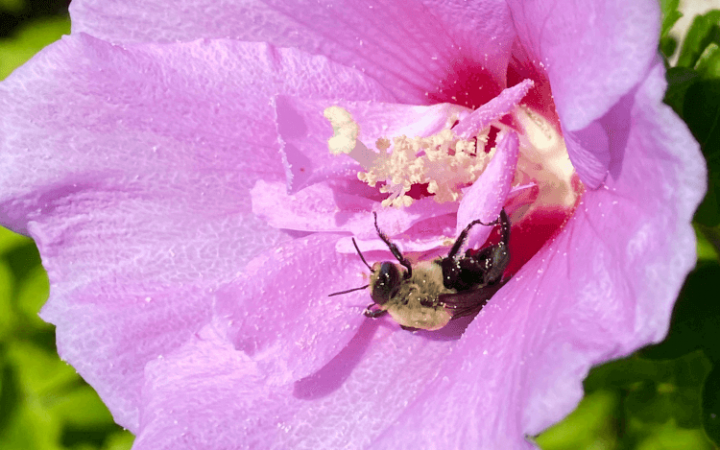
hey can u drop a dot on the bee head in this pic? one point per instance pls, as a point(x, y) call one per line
point(385, 281)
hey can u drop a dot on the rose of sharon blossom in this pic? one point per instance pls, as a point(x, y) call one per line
point(172, 163)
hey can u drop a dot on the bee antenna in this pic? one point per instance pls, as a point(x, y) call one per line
point(393, 248)
point(348, 291)
point(361, 255)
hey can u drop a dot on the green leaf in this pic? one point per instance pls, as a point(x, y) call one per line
point(10, 395)
point(701, 111)
point(589, 427)
point(708, 243)
point(670, 15)
point(711, 405)
point(31, 428)
point(82, 408)
point(695, 321)
point(32, 293)
point(694, 93)
point(669, 436)
point(708, 213)
point(696, 325)
point(22, 260)
point(679, 81)
point(24, 424)
point(28, 41)
point(42, 375)
point(120, 440)
point(704, 30)
point(14, 6)
point(656, 391)
point(8, 317)
point(708, 65)
point(10, 240)
point(668, 45)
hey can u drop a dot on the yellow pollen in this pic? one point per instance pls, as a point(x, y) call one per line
point(344, 140)
point(443, 162)
point(345, 130)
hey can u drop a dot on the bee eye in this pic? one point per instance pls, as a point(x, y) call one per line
point(388, 279)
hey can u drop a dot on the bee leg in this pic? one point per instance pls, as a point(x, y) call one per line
point(463, 235)
point(373, 313)
point(505, 227)
point(409, 328)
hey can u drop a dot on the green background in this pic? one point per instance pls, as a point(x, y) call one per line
point(663, 397)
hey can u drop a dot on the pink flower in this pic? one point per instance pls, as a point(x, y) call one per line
point(192, 221)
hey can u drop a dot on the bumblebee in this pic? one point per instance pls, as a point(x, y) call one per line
point(431, 293)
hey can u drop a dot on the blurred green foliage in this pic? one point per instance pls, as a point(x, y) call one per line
point(44, 404)
point(12, 6)
point(671, 15)
point(18, 13)
point(666, 396)
point(28, 40)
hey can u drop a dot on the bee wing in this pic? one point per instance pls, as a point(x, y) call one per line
point(468, 302)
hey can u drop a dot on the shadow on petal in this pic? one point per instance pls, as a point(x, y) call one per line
point(328, 379)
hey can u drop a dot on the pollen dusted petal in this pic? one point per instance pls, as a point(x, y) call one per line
point(130, 168)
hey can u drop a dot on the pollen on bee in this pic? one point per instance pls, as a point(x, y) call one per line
point(443, 162)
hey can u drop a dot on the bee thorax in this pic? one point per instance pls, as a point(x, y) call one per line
point(416, 303)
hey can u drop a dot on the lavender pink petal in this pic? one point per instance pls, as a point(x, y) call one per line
point(493, 110)
point(604, 287)
point(130, 168)
point(281, 313)
point(589, 152)
point(594, 52)
point(412, 47)
point(487, 196)
point(207, 394)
